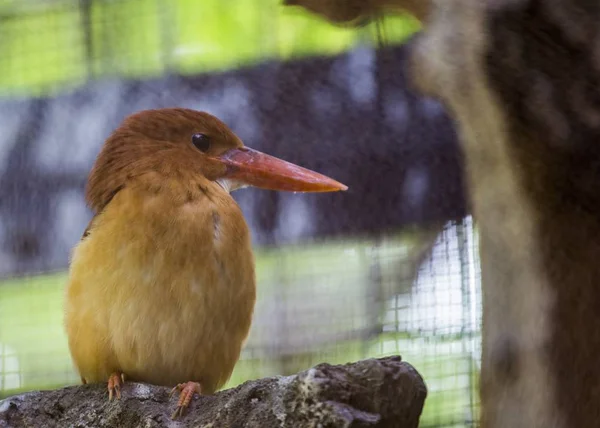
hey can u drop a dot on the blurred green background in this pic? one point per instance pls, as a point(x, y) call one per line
point(35, 354)
point(136, 38)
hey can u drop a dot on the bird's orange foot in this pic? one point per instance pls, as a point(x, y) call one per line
point(115, 381)
point(187, 393)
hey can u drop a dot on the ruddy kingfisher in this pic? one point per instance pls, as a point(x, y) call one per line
point(161, 287)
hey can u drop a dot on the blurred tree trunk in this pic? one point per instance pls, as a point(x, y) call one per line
point(521, 78)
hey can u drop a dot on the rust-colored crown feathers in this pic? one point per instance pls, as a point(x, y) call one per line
point(157, 143)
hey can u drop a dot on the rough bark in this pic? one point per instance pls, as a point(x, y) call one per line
point(371, 393)
point(521, 79)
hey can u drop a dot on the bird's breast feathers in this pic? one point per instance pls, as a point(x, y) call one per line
point(163, 290)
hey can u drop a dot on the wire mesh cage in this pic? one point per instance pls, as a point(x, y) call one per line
point(390, 267)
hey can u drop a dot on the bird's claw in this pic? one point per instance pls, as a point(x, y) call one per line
point(115, 381)
point(187, 393)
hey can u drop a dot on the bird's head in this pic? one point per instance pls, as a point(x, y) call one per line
point(173, 145)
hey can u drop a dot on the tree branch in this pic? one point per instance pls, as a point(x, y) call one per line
point(371, 393)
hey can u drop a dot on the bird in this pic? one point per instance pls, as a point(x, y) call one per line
point(161, 287)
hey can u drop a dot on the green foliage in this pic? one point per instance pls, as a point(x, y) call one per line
point(44, 48)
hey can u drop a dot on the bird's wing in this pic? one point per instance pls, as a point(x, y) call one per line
point(87, 230)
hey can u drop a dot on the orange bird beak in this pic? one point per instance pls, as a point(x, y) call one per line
point(257, 169)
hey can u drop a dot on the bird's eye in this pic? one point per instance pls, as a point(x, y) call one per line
point(201, 142)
